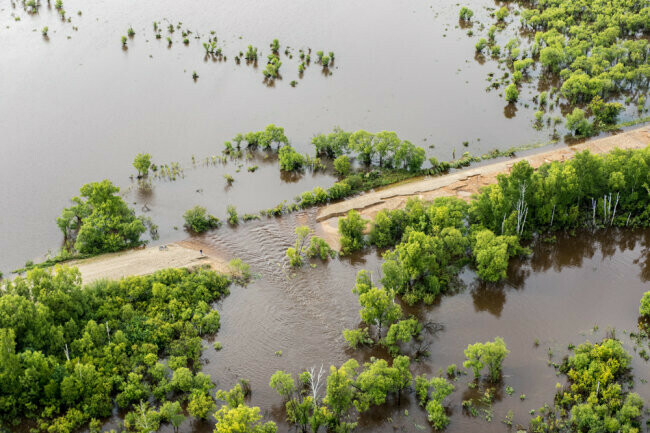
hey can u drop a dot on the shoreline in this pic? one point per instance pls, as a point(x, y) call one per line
point(463, 183)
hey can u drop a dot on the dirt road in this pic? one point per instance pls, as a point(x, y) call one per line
point(464, 183)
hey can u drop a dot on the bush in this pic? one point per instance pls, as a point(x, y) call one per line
point(465, 14)
point(351, 230)
point(578, 124)
point(339, 190)
point(644, 308)
point(233, 217)
point(342, 165)
point(289, 159)
point(512, 94)
point(198, 220)
point(318, 247)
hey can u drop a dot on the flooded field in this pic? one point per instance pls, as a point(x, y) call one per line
point(76, 107)
point(579, 288)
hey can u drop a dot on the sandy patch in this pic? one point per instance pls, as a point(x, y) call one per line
point(145, 261)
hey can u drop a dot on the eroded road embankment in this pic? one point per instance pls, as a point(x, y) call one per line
point(464, 183)
point(146, 261)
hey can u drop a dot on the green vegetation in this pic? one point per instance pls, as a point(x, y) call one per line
point(297, 253)
point(512, 94)
point(198, 220)
point(100, 221)
point(644, 308)
point(233, 217)
point(142, 163)
point(589, 52)
point(235, 416)
point(72, 352)
point(465, 14)
point(351, 229)
point(431, 394)
point(596, 398)
point(342, 165)
point(289, 159)
point(491, 353)
point(348, 389)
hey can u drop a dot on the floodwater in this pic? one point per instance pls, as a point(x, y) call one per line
point(577, 289)
point(76, 107)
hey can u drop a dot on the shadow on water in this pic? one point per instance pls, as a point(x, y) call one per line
point(550, 300)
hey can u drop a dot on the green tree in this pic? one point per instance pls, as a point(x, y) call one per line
point(491, 254)
point(283, 384)
point(103, 220)
point(342, 165)
point(578, 124)
point(491, 353)
point(289, 159)
point(512, 94)
point(142, 163)
point(351, 231)
point(201, 404)
point(198, 220)
point(644, 308)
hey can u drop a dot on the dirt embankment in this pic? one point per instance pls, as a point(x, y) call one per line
point(147, 261)
point(464, 183)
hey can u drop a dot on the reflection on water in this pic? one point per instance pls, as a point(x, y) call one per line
point(556, 297)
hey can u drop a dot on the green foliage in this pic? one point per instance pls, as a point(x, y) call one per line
point(198, 220)
point(644, 308)
point(142, 163)
point(289, 159)
point(100, 220)
point(237, 417)
point(465, 14)
point(357, 337)
point(351, 230)
point(578, 124)
point(333, 144)
point(378, 306)
point(600, 53)
point(491, 353)
point(342, 165)
point(595, 399)
point(512, 94)
point(605, 112)
point(283, 384)
point(298, 251)
point(502, 13)
point(402, 331)
point(480, 45)
point(318, 247)
point(431, 394)
point(71, 352)
point(491, 254)
point(233, 216)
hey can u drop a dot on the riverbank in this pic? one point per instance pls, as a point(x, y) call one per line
point(462, 184)
point(146, 261)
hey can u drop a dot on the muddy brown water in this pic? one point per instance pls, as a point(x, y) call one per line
point(76, 107)
point(557, 297)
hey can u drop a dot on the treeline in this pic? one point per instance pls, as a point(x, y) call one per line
point(431, 241)
point(69, 354)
